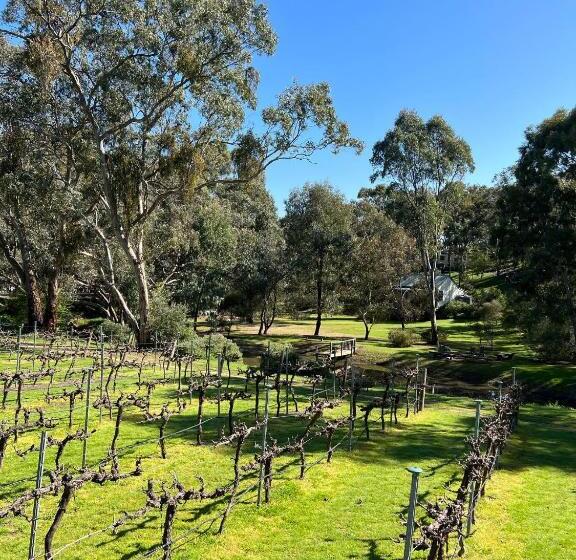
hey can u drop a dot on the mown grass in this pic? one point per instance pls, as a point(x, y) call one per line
point(543, 382)
point(347, 509)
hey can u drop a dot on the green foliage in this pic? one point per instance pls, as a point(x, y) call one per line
point(118, 332)
point(459, 310)
point(317, 226)
point(168, 321)
point(428, 338)
point(402, 338)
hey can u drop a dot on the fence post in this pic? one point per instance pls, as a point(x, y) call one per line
point(334, 381)
point(87, 417)
point(285, 361)
point(208, 353)
point(34, 346)
point(472, 497)
point(101, 369)
point(264, 436)
point(477, 421)
point(423, 390)
point(219, 361)
point(36, 510)
point(415, 471)
point(513, 376)
point(19, 350)
point(351, 425)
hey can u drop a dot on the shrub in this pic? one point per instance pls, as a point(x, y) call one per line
point(457, 310)
point(402, 338)
point(118, 331)
point(427, 336)
point(168, 321)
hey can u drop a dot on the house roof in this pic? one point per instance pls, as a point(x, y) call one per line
point(444, 284)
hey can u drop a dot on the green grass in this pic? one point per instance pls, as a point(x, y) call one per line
point(347, 509)
point(543, 382)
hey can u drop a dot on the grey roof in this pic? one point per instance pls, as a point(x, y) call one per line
point(447, 288)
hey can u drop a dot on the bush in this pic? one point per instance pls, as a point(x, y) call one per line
point(402, 338)
point(427, 336)
point(119, 332)
point(459, 310)
point(168, 321)
point(551, 340)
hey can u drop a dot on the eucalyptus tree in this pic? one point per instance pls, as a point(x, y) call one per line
point(382, 254)
point(195, 251)
point(469, 231)
point(161, 88)
point(318, 230)
point(255, 281)
point(40, 177)
point(537, 228)
point(424, 162)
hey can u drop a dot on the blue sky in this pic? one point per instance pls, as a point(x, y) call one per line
point(491, 68)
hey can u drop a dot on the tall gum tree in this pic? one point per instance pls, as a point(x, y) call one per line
point(161, 87)
point(40, 222)
point(318, 230)
point(424, 162)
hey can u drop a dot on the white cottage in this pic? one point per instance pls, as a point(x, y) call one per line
point(447, 289)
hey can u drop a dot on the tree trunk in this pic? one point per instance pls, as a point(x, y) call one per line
point(26, 273)
point(433, 323)
point(51, 311)
point(143, 303)
point(367, 326)
point(319, 290)
point(33, 298)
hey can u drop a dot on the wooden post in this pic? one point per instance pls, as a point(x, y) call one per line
point(264, 436)
point(87, 418)
point(36, 510)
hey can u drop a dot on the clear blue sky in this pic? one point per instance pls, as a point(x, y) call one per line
point(490, 67)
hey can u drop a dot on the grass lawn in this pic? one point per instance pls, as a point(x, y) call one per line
point(349, 508)
point(543, 382)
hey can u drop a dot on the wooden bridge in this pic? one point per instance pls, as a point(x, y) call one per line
point(337, 349)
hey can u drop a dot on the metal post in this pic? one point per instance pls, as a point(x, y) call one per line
point(219, 360)
point(472, 489)
point(208, 355)
point(423, 390)
point(87, 418)
point(101, 369)
point(334, 381)
point(34, 346)
point(351, 424)
point(19, 350)
point(477, 422)
point(36, 510)
point(264, 436)
point(415, 471)
point(285, 361)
